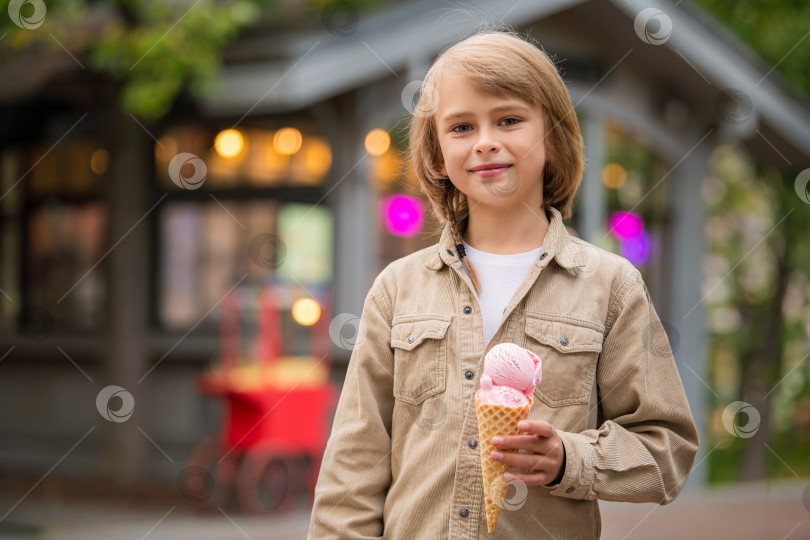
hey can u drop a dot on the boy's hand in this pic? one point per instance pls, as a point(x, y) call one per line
point(546, 460)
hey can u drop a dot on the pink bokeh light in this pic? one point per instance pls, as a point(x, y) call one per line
point(626, 225)
point(402, 214)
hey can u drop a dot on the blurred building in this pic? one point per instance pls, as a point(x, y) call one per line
point(113, 272)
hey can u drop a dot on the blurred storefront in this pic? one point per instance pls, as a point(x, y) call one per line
point(116, 258)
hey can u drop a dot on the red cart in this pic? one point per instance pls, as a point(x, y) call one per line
point(277, 412)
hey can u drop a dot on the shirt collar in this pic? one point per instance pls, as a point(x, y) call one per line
point(557, 246)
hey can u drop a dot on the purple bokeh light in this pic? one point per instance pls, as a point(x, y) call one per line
point(626, 225)
point(402, 214)
point(636, 249)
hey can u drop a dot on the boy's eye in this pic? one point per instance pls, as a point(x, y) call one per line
point(511, 121)
point(460, 128)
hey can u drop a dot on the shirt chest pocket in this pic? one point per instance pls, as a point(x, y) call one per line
point(420, 356)
point(569, 353)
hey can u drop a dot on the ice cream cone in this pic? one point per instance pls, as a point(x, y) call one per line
point(496, 420)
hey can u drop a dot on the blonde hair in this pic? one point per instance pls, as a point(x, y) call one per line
point(500, 64)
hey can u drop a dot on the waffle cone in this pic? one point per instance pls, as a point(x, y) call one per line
point(496, 420)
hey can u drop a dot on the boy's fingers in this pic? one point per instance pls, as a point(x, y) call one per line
point(537, 433)
point(530, 443)
point(540, 428)
point(532, 462)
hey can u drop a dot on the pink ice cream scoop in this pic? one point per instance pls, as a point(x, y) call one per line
point(510, 375)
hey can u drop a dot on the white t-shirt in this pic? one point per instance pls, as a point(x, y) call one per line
point(500, 277)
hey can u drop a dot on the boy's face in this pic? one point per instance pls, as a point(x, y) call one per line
point(492, 148)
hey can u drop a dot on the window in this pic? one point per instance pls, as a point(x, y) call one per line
point(254, 222)
point(53, 235)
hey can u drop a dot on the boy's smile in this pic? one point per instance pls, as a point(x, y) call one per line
point(492, 147)
point(490, 170)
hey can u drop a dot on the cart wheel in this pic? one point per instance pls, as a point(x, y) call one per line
point(206, 482)
point(265, 481)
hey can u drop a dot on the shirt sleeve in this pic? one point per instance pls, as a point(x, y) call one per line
point(647, 440)
point(355, 472)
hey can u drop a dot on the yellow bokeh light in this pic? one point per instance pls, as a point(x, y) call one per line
point(99, 161)
point(287, 141)
point(273, 163)
point(306, 311)
point(377, 142)
point(317, 157)
point(229, 143)
point(614, 175)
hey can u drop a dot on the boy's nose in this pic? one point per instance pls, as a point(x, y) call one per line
point(484, 146)
point(486, 143)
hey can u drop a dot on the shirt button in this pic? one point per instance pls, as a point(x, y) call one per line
point(543, 256)
point(410, 339)
point(563, 340)
point(570, 490)
point(463, 512)
point(467, 310)
point(450, 252)
point(469, 375)
point(472, 443)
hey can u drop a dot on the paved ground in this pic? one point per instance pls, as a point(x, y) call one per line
point(761, 512)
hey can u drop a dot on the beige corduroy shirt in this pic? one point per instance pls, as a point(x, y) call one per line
point(403, 460)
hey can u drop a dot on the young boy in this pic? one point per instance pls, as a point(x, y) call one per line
point(499, 154)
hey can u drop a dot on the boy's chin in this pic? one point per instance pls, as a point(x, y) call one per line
point(498, 203)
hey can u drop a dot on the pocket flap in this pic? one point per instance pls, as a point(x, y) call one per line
point(408, 334)
point(564, 336)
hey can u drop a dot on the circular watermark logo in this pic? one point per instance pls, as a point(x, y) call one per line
point(28, 14)
point(40, 325)
point(125, 405)
point(503, 185)
point(420, 98)
point(518, 499)
point(184, 160)
point(455, 15)
point(267, 251)
point(195, 484)
point(653, 26)
point(340, 18)
point(343, 330)
point(585, 265)
point(431, 414)
point(734, 107)
point(735, 426)
point(802, 186)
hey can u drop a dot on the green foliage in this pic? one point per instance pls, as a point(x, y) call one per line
point(154, 48)
point(756, 219)
point(779, 30)
point(790, 454)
